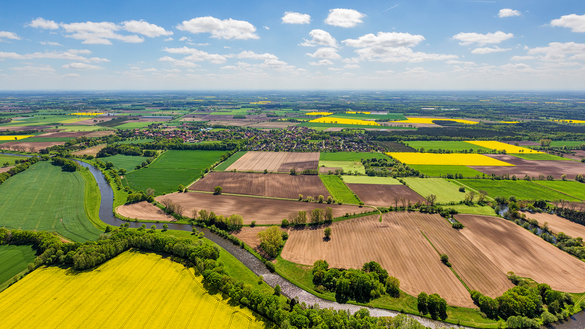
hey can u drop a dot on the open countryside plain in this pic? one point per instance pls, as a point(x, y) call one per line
point(513, 248)
point(532, 168)
point(268, 185)
point(133, 290)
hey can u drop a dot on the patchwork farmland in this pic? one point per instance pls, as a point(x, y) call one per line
point(386, 195)
point(534, 168)
point(558, 224)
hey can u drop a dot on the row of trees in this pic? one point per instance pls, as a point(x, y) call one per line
point(24, 165)
point(317, 216)
point(433, 305)
point(66, 164)
point(371, 282)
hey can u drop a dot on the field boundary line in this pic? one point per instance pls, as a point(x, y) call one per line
point(470, 188)
point(450, 267)
point(550, 188)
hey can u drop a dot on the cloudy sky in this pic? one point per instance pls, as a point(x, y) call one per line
point(227, 45)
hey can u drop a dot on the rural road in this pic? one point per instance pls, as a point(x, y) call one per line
point(253, 263)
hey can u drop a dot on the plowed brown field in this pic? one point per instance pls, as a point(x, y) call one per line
point(276, 161)
point(144, 210)
point(269, 185)
point(396, 243)
point(263, 211)
point(533, 168)
point(558, 224)
point(383, 195)
point(94, 150)
point(513, 248)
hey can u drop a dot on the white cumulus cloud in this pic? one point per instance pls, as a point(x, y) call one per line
point(71, 54)
point(488, 50)
point(321, 62)
point(295, 18)
point(558, 51)
point(320, 38)
point(253, 55)
point(507, 12)
point(9, 35)
point(385, 39)
point(220, 29)
point(50, 43)
point(145, 28)
point(344, 17)
point(574, 22)
point(351, 66)
point(98, 33)
point(81, 66)
point(466, 39)
point(326, 52)
point(195, 55)
point(42, 23)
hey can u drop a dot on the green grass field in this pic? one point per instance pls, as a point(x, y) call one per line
point(136, 125)
point(474, 210)
point(171, 169)
point(315, 125)
point(349, 156)
point(241, 111)
point(47, 120)
point(361, 116)
point(46, 198)
point(128, 162)
point(540, 156)
point(571, 188)
point(444, 190)
point(13, 260)
point(230, 161)
point(82, 128)
point(10, 159)
point(521, 189)
point(354, 166)
point(370, 180)
point(438, 170)
point(338, 189)
point(444, 145)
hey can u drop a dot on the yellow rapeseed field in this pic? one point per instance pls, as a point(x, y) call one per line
point(451, 159)
point(357, 112)
point(510, 122)
point(13, 137)
point(318, 113)
point(430, 120)
point(344, 121)
point(133, 290)
point(494, 145)
point(86, 113)
point(569, 121)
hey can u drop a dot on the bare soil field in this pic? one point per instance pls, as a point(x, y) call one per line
point(326, 170)
point(263, 211)
point(36, 145)
point(144, 210)
point(334, 129)
point(533, 168)
point(579, 154)
point(100, 133)
point(268, 185)
point(512, 248)
point(71, 135)
point(558, 224)
point(383, 195)
point(90, 150)
point(276, 161)
point(522, 143)
point(396, 243)
point(5, 169)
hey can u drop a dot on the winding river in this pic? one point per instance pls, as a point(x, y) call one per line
point(106, 214)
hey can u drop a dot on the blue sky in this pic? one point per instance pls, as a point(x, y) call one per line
point(227, 45)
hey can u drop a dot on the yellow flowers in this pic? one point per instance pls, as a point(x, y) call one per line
point(87, 113)
point(450, 159)
point(493, 145)
point(342, 121)
point(510, 122)
point(13, 137)
point(135, 290)
point(357, 112)
point(430, 120)
point(261, 102)
point(569, 121)
point(318, 113)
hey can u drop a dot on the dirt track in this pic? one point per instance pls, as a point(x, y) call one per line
point(383, 195)
point(250, 236)
point(396, 243)
point(144, 210)
point(533, 168)
point(263, 211)
point(558, 224)
point(270, 185)
point(275, 161)
point(513, 248)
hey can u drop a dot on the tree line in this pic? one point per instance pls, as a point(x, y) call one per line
point(22, 166)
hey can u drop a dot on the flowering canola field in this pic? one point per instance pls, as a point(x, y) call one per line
point(86, 113)
point(318, 113)
point(133, 290)
point(451, 159)
point(13, 137)
point(569, 121)
point(342, 121)
point(430, 120)
point(357, 112)
point(494, 145)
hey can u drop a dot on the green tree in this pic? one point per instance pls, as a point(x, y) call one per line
point(422, 303)
point(235, 222)
point(328, 214)
point(432, 199)
point(393, 286)
point(218, 190)
point(316, 216)
point(165, 227)
point(327, 232)
point(321, 199)
point(271, 240)
point(181, 188)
